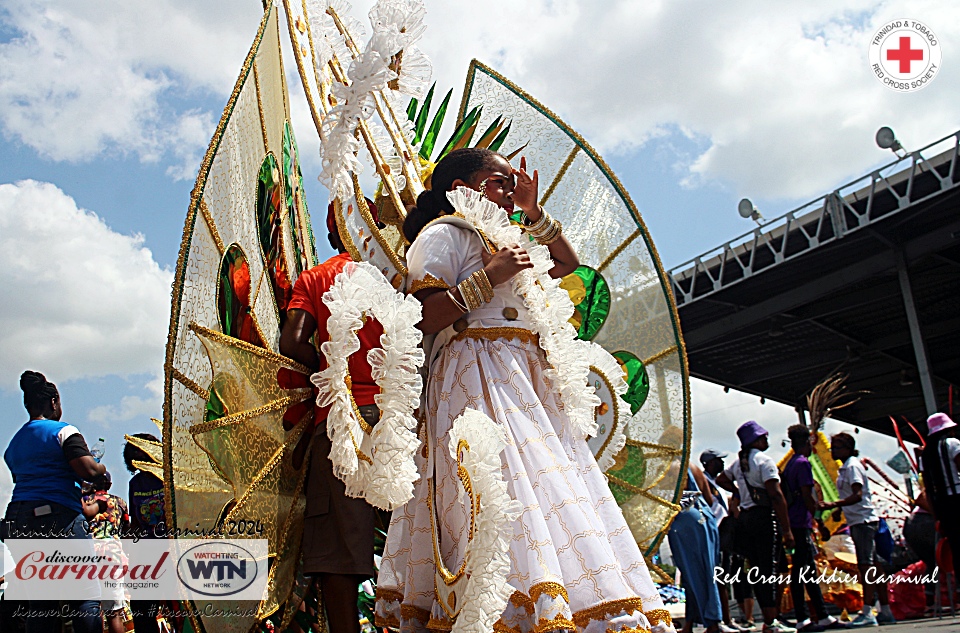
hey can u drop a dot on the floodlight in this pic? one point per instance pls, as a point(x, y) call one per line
point(748, 210)
point(886, 139)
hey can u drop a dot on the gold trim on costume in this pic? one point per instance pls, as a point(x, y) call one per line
point(496, 334)
point(520, 599)
point(435, 624)
point(389, 595)
point(552, 589)
point(660, 448)
point(629, 629)
point(191, 385)
point(374, 229)
point(616, 409)
point(640, 491)
point(263, 120)
point(266, 354)
point(236, 418)
point(212, 227)
point(342, 231)
point(619, 249)
point(606, 609)
point(659, 615)
point(427, 282)
point(558, 622)
point(410, 612)
point(560, 174)
point(660, 355)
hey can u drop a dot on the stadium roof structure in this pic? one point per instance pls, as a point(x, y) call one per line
point(864, 280)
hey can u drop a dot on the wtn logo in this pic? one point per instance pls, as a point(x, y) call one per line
point(224, 568)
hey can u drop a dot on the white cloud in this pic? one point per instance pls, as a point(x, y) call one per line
point(78, 79)
point(132, 407)
point(79, 299)
point(783, 92)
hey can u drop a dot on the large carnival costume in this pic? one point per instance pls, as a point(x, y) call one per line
point(520, 502)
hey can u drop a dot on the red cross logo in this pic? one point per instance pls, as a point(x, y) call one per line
point(905, 54)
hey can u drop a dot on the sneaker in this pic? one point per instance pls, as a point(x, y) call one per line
point(863, 620)
point(836, 625)
point(810, 627)
point(747, 626)
point(726, 628)
point(778, 627)
point(883, 618)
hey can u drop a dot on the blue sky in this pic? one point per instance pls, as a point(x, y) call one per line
point(108, 108)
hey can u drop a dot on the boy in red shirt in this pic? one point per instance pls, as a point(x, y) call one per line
point(338, 530)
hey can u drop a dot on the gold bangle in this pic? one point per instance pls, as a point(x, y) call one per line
point(553, 235)
point(459, 305)
point(540, 225)
point(486, 289)
point(469, 294)
point(476, 287)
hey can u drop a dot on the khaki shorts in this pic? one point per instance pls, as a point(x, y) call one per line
point(338, 530)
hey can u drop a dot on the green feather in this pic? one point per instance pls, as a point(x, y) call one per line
point(421, 121)
point(430, 140)
point(497, 142)
point(412, 109)
point(468, 125)
point(490, 133)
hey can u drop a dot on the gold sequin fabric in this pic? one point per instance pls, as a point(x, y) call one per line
point(571, 550)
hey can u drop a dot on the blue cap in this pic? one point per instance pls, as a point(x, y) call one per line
point(750, 432)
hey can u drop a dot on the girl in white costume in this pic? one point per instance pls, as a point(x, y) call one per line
point(574, 564)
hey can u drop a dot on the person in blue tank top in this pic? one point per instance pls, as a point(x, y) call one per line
point(49, 459)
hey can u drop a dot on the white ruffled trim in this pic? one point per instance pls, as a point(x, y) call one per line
point(359, 291)
point(487, 555)
point(549, 308)
point(606, 365)
point(397, 26)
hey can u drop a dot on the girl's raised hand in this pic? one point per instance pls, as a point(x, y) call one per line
point(525, 193)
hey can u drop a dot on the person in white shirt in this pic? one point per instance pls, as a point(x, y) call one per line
point(853, 488)
point(763, 516)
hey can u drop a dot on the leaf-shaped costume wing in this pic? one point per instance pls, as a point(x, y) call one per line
point(623, 302)
point(227, 462)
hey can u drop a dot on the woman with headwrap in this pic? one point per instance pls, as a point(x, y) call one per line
point(49, 459)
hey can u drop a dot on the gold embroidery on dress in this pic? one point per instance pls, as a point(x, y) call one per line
point(410, 612)
point(606, 609)
point(629, 629)
point(552, 589)
point(429, 281)
point(520, 599)
point(496, 333)
point(439, 625)
point(659, 615)
point(389, 595)
point(559, 622)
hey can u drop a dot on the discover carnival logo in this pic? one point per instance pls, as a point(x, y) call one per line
point(149, 569)
point(905, 55)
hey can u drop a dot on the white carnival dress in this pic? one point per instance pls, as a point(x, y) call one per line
point(574, 564)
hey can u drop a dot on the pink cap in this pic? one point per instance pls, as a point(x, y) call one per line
point(938, 422)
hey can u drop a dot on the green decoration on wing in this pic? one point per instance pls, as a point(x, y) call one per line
point(233, 297)
point(631, 469)
point(638, 382)
point(591, 297)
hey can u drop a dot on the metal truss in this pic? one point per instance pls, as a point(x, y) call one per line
point(856, 205)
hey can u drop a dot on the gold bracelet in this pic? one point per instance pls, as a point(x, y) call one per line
point(486, 289)
point(459, 305)
point(557, 231)
point(546, 231)
point(540, 225)
point(477, 288)
point(469, 294)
